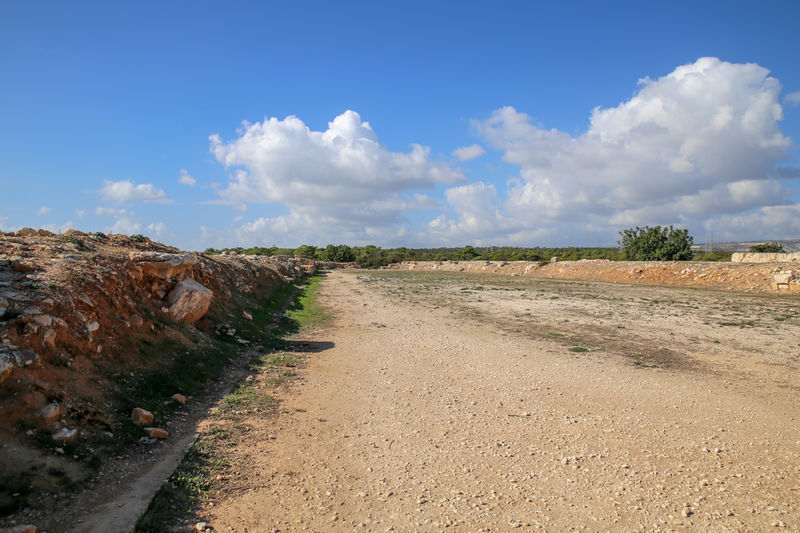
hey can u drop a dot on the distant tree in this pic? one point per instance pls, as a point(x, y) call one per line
point(656, 244)
point(466, 253)
point(768, 248)
point(306, 251)
point(260, 250)
point(211, 251)
point(340, 253)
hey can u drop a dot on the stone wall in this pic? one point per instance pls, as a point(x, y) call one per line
point(752, 257)
point(754, 277)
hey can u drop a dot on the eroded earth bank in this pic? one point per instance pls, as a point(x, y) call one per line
point(476, 402)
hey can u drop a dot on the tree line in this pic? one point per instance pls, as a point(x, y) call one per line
point(655, 243)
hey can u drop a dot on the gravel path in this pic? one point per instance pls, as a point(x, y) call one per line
point(465, 403)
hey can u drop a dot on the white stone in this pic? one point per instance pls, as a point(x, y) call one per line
point(65, 435)
point(189, 301)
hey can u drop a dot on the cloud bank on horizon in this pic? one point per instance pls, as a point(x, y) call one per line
point(700, 147)
point(697, 147)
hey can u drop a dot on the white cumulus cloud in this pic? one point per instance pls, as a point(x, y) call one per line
point(125, 220)
point(700, 142)
point(186, 178)
point(770, 222)
point(157, 230)
point(466, 153)
point(44, 210)
point(126, 190)
point(342, 181)
point(792, 98)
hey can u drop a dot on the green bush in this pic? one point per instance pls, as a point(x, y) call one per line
point(716, 255)
point(340, 253)
point(768, 248)
point(656, 244)
point(74, 240)
point(138, 237)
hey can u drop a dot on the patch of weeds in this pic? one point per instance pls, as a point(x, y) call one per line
point(305, 311)
point(189, 370)
point(246, 396)
point(277, 360)
point(192, 480)
point(579, 349)
point(72, 239)
point(179, 497)
point(637, 361)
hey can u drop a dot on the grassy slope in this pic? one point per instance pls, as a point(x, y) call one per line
point(179, 495)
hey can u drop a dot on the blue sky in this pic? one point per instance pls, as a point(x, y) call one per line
point(580, 119)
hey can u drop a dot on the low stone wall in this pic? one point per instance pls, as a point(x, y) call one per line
point(760, 277)
point(752, 257)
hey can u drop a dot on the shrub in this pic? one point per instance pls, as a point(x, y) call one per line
point(306, 251)
point(138, 237)
point(74, 240)
point(467, 253)
point(340, 253)
point(768, 248)
point(656, 244)
point(716, 255)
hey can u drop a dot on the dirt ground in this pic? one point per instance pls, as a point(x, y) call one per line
point(486, 403)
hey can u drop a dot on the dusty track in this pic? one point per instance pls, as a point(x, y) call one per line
point(455, 401)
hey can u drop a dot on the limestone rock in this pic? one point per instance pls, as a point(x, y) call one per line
point(754, 257)
point(51, 412)
point(49, 337)
point(137, 321)
point(65, 435)
point(43, 320)
point(163, 265)
point(783, 277)
point(180, 398)
point(189, 301)
point(141, 417)
point(156, 433)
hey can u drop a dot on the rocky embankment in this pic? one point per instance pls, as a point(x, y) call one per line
point(766, 277)
point(79, 312)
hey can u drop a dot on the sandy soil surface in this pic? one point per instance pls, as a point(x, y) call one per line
point(468, 402)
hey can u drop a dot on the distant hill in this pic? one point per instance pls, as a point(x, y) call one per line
point(792, 245)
